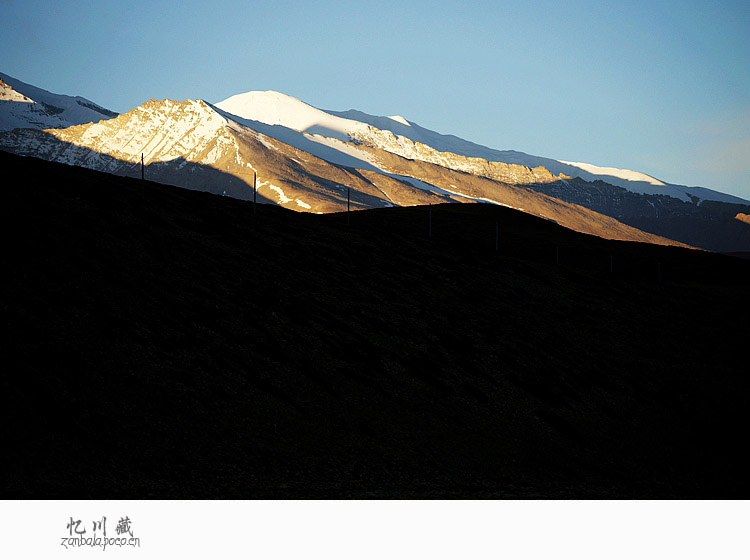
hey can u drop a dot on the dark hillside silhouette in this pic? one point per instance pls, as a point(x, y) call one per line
point(176, 346)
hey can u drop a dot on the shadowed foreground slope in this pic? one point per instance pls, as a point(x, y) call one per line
point(178, 347)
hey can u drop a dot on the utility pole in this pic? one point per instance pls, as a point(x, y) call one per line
point(255, 190)
point(143, 179)
point(429, 221)
point(348, 201)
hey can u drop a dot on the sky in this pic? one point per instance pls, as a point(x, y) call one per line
point(661, 87)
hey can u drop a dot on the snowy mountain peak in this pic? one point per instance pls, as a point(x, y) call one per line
point(272, 101)
point(27, 106)
point(160, 129)
point(274, 108)
point(192, 108)
point(270, 107)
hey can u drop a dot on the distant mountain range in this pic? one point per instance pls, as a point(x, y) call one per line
point(410, 140)
point(312, 160)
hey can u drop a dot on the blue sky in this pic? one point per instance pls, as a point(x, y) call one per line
point(659, 87)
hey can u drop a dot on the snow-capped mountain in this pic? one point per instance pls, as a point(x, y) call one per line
point(408, 139)
point(695, 215)
point(337, 137)
point(194, 145)
point(25, 106)
point(190, 144)
point(312, 160)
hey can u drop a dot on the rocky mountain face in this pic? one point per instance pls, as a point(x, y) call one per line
point(500, 171)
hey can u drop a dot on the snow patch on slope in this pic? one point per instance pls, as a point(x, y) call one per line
point(283, 199)
point(626, 174)
point(399, 119)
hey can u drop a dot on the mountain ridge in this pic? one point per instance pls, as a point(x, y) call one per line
point(306, 118)
point(40, 108)
point(326, 161)
point(193, 131)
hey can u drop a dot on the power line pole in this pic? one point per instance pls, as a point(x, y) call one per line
point(255, 190)
point(143, 179)
point(348, 200)
point(429, 221)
